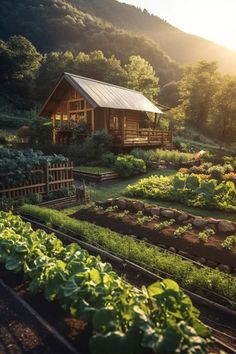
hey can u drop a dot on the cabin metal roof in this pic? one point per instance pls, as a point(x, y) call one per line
point(106, 95)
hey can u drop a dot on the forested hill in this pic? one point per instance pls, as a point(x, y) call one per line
point(59, 25)
point(180, 46)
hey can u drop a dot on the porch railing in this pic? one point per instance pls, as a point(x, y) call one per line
point(141, 137)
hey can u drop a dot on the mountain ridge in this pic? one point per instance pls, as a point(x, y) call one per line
point(180, 46)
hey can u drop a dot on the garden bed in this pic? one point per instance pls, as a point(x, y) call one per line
point(94, 174)
point(210, 253)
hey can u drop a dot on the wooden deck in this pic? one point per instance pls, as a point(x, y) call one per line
point(121, 137)
point(141, 137)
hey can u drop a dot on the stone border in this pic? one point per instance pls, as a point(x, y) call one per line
point(222, 226)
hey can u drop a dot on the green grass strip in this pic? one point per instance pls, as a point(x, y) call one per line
point(185, 272)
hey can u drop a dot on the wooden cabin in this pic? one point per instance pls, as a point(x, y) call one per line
point(119, 111)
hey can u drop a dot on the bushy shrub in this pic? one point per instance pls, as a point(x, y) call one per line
point(95, 145)
point(228, 168)
point(128, 165)
point(171, 156)
point(108, 159)
point(216, 172)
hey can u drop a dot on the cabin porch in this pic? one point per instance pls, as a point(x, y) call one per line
point(139, 137)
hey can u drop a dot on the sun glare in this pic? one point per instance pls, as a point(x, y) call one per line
point(210, 19)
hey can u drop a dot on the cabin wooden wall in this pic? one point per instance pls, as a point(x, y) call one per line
point(100, 122)
point(133, 119)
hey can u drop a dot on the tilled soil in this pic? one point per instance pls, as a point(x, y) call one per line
point(74, 330)
point(212, 250)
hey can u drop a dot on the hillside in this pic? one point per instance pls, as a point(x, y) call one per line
point(180, 46)
point(59, 25)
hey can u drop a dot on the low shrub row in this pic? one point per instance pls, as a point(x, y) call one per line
point(185, 272)
point(122, 319)
point(207, 169)
point(191, 190)
point(157, 155)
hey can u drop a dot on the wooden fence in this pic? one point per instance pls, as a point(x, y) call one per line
point(53, 177)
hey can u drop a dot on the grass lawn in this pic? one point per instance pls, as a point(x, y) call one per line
point(116, 188)
point(93, 169)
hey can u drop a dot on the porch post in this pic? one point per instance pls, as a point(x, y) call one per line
point(93, 120)
point(155, 121)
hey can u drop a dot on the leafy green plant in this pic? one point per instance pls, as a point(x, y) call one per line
point(111, 209)
point(123, 213)
point(143, 220)
point(164, 224)
point(216, 172)
point(128, 165)
point(229, 242)
point(179, 232)
point(204, 235)
point(119, 314)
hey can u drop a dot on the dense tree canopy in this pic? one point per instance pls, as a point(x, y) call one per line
point(197, 89)
point(208, 101)
point(142, 77)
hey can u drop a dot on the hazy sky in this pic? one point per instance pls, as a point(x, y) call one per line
point(211, 19)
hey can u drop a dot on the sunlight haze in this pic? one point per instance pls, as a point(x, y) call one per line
point(210, 19)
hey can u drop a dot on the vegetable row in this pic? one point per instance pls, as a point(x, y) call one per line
point(160, 318)
point(199, 280)
point(191, 190)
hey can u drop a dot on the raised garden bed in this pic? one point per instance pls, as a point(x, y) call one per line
point(94, 174)
point(145, 226)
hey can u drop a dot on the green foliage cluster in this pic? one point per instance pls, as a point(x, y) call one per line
point(16, 165)
point(142, 219)
point(229, 242)
point(185, 272)
point(164, 224)
point(157, 155)
point(204, 235)
point(191, 190)
point(128, 165)
point(132, 320)
point(179, 232)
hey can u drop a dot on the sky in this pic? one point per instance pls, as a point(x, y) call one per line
point(210, 19)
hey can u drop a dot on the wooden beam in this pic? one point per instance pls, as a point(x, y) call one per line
point(93, 120)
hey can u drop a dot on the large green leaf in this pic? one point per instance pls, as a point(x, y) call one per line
point(13, 263)
point(105, 344)
point(104, 320)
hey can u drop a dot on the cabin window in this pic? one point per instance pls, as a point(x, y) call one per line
point(114, 122)
point(77, 105)
point(64, 116)
point(58, 116)
point(73, 106)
